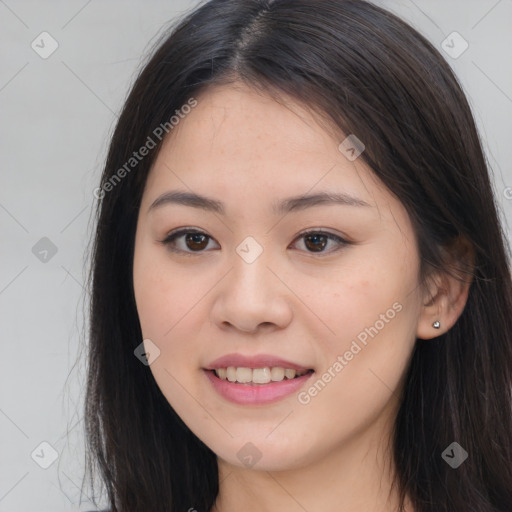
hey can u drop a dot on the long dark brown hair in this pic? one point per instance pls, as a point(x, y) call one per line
point(368, 73)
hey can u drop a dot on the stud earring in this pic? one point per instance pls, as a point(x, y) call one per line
point(436, 324)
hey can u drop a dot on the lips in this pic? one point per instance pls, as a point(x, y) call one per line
point(256, 394)
point(257, 361)
point(256, 380)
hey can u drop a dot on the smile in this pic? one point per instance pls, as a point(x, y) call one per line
point(264, 375)
point(252, 391)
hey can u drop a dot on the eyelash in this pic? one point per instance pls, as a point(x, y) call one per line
point(171, 237)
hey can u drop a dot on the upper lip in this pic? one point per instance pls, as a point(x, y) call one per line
point(256, 361)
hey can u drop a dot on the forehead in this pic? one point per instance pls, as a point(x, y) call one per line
point(236, 121)
point(239, 143)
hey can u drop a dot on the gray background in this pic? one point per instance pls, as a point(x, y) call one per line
point(56, 117)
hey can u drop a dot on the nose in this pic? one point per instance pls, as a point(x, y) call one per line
point(252, 297)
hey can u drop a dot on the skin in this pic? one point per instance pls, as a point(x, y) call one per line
point(246, 150)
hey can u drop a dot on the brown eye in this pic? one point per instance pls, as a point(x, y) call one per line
point(316, 242)
point(187, 241)
point(196, 241)
point(190, 242)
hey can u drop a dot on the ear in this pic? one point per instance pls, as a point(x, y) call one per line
point(446, 291)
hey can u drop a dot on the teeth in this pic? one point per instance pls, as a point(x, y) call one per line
point(243, 375)
point(261, 375)
point(231, 374)
point(257, 375)
point(276, 374)
point(289, 374)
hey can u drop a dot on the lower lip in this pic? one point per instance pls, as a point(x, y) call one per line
point(256, 394)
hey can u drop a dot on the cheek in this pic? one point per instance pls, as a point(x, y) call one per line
point(171, 306)
point(364, 294)
point(373, 314)
point(171, 312)
point(162, 295)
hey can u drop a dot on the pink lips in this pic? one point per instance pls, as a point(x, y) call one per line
point(258, 361)
point(254, 394)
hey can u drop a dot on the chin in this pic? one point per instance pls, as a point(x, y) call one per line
point(262, 455)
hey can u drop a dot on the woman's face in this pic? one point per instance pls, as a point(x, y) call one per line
point(273, 284)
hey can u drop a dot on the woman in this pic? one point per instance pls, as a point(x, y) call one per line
point(301, 297)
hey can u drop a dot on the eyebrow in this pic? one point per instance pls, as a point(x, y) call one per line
point(283, 206)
